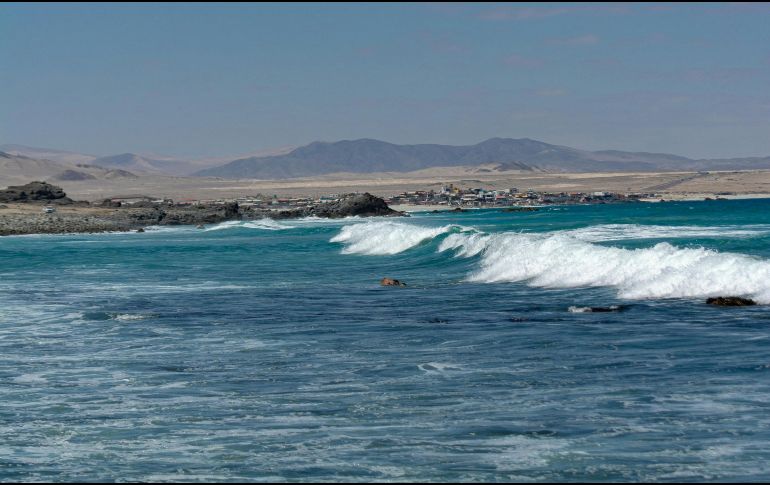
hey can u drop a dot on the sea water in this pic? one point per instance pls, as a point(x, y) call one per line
point(267, 350)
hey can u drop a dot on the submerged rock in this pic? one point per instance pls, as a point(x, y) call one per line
point(595, 309)
point(391, 282)
point(730, 301)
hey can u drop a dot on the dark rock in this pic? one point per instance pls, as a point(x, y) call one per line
point(143, 216)
point(200, 214)
point(730, 301)
point(365, 205)
point(34, 191)
point(110, 203)
point(140, 230)
point(438, 320)
point(391, 282)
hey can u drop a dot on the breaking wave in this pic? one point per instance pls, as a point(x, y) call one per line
point(264, 224)
point(567, 259)
point(387, 237)
point(620, 232)
point(558, 260)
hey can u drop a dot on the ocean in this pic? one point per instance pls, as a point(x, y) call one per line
point(268, 351)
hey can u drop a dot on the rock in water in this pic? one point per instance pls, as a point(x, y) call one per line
point(140, 230)
point(730, 301)
point(391, 282)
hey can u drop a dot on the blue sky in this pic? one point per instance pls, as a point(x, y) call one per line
point(203, 80)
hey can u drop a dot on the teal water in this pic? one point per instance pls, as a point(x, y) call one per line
point(268, 351)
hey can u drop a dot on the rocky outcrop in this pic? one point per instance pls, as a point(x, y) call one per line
point(132, 217)
point(200, 214)
point(362, 205)
point(730, 301)
point(35, 192)
point(391, 282)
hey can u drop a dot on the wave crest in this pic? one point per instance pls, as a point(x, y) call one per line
point(264, 224)
point(557, 260)
point(387, 237)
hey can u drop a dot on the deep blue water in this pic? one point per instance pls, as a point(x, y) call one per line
point(267, 351)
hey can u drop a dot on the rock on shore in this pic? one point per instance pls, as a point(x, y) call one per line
point(35, 191)
point(362, 205)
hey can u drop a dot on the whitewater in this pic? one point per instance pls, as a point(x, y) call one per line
point(566, 259)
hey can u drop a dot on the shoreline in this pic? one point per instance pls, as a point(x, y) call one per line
point(22, 219)
point(704, 197)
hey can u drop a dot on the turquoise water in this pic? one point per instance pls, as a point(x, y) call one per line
point(268, 350)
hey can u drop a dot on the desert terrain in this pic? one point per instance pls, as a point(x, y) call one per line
point(671, 184)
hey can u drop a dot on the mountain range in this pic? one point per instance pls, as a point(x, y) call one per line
point(368, 156)
point(363, 156)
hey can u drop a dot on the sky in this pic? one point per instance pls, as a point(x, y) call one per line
point(202, 80)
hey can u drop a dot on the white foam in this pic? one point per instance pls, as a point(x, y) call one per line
point(588, 309)
point(438, 367)
point(130, 317)
point(558, 260)
point(263, 224)
point(619, 232)
point(387, 237)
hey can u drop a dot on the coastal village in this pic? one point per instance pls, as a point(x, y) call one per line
point(449, 196)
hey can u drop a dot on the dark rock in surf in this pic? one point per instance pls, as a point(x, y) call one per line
point(391, 282)
point(730, 301)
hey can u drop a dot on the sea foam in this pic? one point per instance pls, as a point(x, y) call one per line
point(620, 232)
